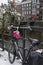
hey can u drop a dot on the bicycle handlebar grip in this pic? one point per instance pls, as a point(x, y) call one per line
point(30, 28)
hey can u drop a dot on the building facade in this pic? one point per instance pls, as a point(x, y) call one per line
point(29, 8)
point(25, 9)
point(41, 8)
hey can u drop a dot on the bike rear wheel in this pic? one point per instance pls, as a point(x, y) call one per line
point(11, 52)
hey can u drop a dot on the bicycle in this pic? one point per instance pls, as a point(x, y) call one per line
point(14, 48)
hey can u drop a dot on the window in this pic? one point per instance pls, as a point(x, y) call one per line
point(34, 6)
point(40, 15)
point(29, 8)
point(22, 6)
point(27, 12)
point(23, 12)
point(33, 1)
point(37, 12)
point(37, 1)
point(37, 6)
point(29, 4)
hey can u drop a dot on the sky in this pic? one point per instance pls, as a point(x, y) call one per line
point(5, 1)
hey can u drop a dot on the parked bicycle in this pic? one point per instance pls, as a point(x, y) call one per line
point(14, 48)
point(13, 45)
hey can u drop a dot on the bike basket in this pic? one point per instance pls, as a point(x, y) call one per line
point(16, 34)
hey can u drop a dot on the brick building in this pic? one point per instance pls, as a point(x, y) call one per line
point(24, 8)
point(28, 8)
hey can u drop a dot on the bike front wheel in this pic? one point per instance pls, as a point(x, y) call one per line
point(11, 52)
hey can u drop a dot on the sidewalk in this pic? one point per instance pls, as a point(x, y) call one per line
point(5, 61)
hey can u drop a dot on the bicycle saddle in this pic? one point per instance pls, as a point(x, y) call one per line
point(34, 41)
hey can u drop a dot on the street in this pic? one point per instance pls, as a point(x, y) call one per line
point(5, 61)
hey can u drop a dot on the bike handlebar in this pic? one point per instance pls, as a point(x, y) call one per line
point(20, 27)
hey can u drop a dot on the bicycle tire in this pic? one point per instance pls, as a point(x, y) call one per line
point(11, 51)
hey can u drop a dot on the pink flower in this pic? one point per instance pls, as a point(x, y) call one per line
point(16, 34)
